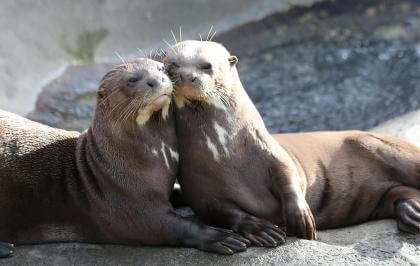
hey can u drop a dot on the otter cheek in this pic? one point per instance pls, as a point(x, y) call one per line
point(160, 102)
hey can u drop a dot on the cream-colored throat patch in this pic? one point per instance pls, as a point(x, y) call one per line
point(143, 115)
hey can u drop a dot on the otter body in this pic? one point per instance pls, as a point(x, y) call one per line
point(236, 175)
point(41, 196)
point(232, 171)
point(356, 176)
point(110, 184)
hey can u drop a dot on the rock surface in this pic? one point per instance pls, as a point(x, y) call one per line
point(38, 39)
point(337, 65)
point(374, 243)
point(69, 101)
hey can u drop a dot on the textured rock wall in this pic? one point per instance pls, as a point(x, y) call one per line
point(338, 65)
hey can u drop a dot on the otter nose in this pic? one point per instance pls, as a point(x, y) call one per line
point(151, 83)
point(188, 77)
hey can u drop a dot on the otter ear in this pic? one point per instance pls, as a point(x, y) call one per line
point(101, 92)
point(233, 60)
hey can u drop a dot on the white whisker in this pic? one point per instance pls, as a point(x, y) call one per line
point(208, 35)
point(121, 58)
point(141, 51)
point(211, 37)
point(170, 46)
point(173, 35)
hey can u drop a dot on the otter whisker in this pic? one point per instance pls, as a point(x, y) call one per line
point(123, 109)
point(180, 33)
point(141, 51)
point(170, 46)
point(173, 35)
point(133, 109)
point(208, 35)
point(157, 54)
point(201, 37)
point(122, 59)
point(211, 37)
point(108, 96)
point(116, 107)
point(125, 114)
point(163, 52)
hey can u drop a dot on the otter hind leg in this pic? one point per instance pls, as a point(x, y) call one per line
point(395, 153)
point(6, 250)
point(408, 215)
point(403, 203)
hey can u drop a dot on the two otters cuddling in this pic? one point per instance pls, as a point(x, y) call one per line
point(113, 182)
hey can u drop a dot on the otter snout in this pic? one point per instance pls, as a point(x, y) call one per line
point(188, 77)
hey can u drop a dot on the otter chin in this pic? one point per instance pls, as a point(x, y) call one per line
point(161, 102)
point(110, 184)
point(235, 174)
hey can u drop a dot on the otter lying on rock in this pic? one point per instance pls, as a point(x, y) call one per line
point(236, 175)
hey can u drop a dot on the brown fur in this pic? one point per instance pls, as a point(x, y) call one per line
point(233, 173)
point(245, 178)
point(106, 185)
point(356, 176)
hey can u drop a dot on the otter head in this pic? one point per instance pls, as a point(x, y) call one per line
point(136, 89)
point(202, 71)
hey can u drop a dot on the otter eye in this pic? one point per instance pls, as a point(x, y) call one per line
point(175, 65)
point(206, 66)
point(133, 80)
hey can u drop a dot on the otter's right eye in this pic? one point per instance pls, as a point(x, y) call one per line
point(175, 65)
point(133, 80)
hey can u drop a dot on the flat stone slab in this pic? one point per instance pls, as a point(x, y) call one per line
point(373, 243)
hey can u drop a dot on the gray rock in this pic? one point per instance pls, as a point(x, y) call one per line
point(38, 39)
point(335, 66)
point(69, 101)
point(406, 127)
point(310, 68)
point(374, 243)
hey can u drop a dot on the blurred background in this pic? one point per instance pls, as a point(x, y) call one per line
point(308, 65)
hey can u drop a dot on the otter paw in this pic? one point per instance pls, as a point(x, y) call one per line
point(223, 241)
point(261, 233)
point(6, 250)
point(408, 216)
point(300, 221)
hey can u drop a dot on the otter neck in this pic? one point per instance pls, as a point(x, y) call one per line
point(115, 154)
point(239, 113)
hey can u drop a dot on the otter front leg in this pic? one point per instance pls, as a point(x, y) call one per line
point(260, 232)
point(6, 250)
point(174, 230)
point(403, 203)
point(296, 212)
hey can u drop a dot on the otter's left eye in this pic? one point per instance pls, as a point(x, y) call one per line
point(206, 66)
point(133, 80)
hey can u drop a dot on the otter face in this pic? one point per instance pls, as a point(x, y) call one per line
point(202, 71)
point(138, 88)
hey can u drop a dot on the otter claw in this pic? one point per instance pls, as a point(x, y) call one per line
point(408, 216)
point(6, 250)
point(301, 221)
